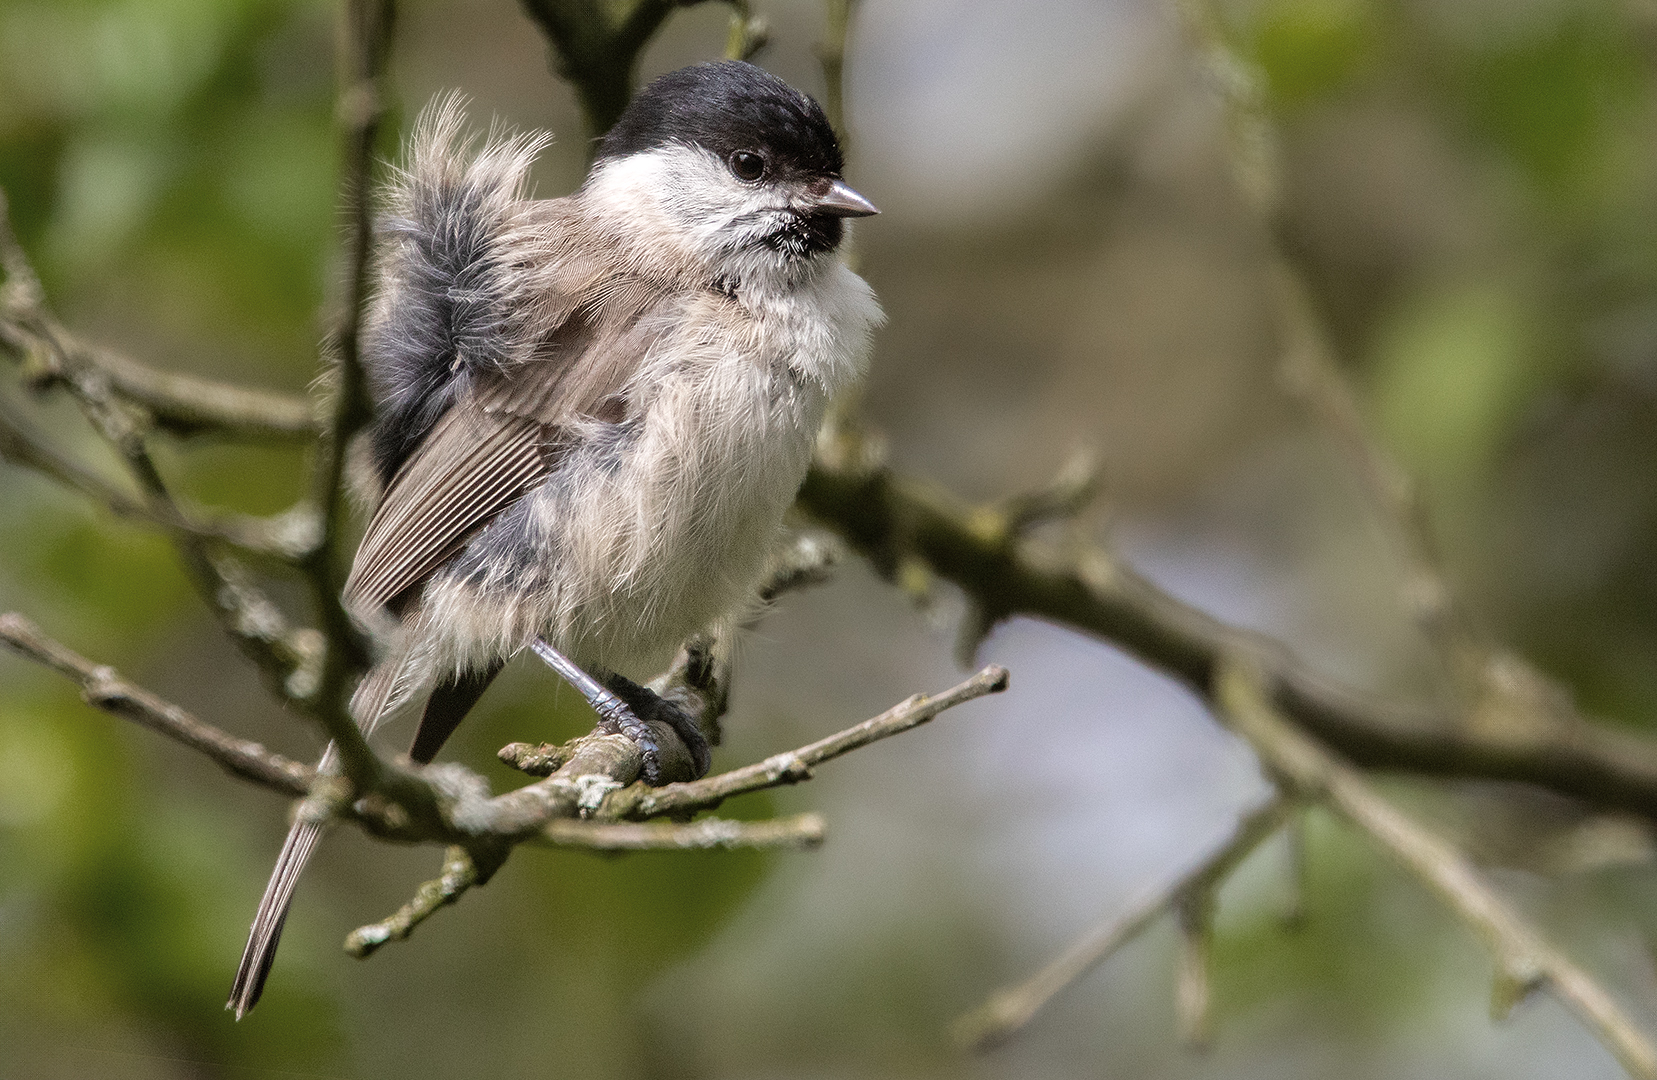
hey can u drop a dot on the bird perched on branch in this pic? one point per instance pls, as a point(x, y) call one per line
point(592, 411)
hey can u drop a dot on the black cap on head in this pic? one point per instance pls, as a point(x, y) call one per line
point(726, 106)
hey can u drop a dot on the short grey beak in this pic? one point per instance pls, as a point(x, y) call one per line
point(841, 201)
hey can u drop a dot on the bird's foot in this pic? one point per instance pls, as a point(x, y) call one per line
point(631, 713)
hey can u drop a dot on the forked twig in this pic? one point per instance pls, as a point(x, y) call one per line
point(1009, 1011)
point(1524, 960)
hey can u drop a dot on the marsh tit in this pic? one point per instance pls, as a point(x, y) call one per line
point(592, 411)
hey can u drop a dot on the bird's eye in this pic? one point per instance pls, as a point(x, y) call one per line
point(747, 165)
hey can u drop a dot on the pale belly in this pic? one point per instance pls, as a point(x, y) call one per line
point(647, 533)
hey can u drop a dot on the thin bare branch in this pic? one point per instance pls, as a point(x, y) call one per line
point(1294, 901)
point(800, 831)
point(1310, 371)
point(290, 657)
point(1236, 81)
point(1008, 1011)
point(459, 874)
point(184, 405)
point(1193, 993)
point(1311, 374)
point(21, 290)
point(536, 759)
point(286, 656)
point(1073, 489)
point(749, 33)
point(596, 782)
point(796, 765)
point(1524, 960)
point(287, 536)
point(103, 688)
point(805, 561)
point(191, 405)
point(22, 445)
point(364, 44)
point(831, 53)
point(596, 46)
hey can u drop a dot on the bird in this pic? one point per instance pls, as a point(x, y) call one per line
point(591, 412)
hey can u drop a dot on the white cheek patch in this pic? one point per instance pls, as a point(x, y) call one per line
point(686, 198)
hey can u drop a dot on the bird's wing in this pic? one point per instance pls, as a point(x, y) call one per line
point(470, 467)
point(499, 441)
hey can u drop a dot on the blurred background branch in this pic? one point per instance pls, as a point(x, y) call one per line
point(1008, 1011)
point(891, 519)
point(103, 688)
point(1524, 962)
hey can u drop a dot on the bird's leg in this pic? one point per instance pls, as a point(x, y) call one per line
point(614, 715)
point(625, 708)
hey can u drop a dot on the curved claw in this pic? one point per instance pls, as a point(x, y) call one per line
point(682, 722)
point(620, 719)
point(641, 704)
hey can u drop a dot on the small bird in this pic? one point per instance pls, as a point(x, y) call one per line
point(592, 411)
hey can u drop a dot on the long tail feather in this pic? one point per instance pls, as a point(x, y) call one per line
point(368, 706)
point(260, 952)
